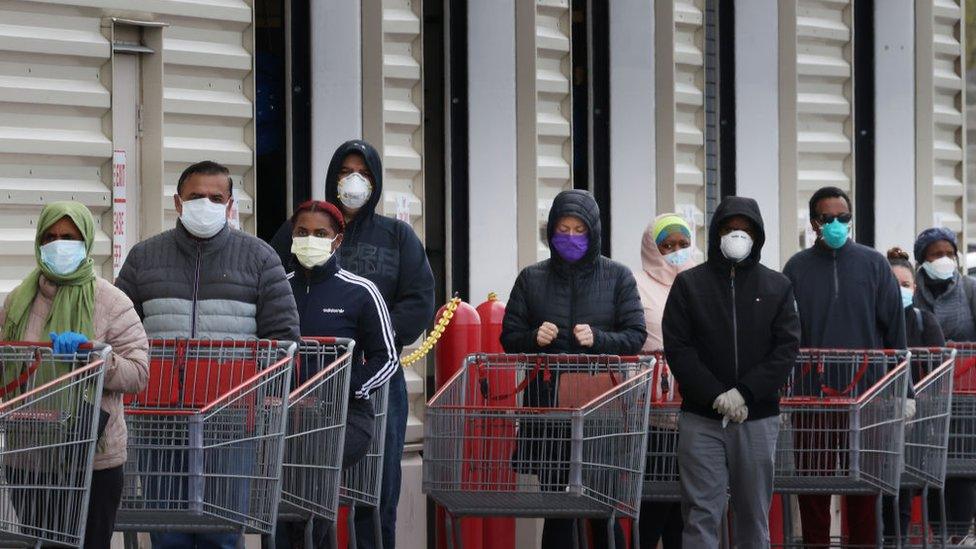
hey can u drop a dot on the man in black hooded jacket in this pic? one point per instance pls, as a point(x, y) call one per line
point(387, 252)
point(731, 336)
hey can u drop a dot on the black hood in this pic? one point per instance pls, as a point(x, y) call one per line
point(374, 163)
point(579, 204)
point(732, 206)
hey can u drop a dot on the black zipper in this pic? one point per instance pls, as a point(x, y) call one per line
point(735, 325)
point(196, 291)
point(836, 279)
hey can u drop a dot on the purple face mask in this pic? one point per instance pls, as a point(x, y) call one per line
point(571, 247)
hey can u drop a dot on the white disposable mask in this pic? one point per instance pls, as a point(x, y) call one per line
point(940, 269)
point(736, 245)
point(354, 190)
point(202, 217)
point(312, 251)
point(63, 257)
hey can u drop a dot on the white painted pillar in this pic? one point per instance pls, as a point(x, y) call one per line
point(336, 67)
point(757, 115)
point(894, 123)
point(632, 177)
point(492, 175)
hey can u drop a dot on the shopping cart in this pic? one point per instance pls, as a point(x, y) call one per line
point(961, 456)
point(927, 434)
point(661, 471)
point(580, 431)
point(50, 422)
point(841, 427)
point(206, 438)
point(312, 467)
point(361, 483)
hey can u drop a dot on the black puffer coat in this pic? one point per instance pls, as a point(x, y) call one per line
point(595, 290)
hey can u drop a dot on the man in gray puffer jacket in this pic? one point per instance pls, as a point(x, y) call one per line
point(204, 279)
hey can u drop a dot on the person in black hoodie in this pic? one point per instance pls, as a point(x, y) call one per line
point(334, 302)
point(848, 299)
point(731, 336)
point(388, 253)
point(578, 301)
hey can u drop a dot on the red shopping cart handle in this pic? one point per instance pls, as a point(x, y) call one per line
point(45, 344)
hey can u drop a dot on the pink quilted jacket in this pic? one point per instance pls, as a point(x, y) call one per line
point(118, 325)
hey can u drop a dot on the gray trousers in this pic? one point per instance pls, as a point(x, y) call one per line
point(713, 461)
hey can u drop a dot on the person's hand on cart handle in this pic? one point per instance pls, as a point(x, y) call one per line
point(584, 334)
point(67, 343)
point(910, 408)
point(546, 334)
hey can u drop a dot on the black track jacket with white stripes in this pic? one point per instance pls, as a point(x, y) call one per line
point(337, 303)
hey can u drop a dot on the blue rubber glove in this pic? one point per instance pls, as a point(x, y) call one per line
point(67, 343)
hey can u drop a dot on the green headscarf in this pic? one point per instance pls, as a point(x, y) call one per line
point(73, 307)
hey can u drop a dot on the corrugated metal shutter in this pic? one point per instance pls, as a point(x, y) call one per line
point(824, 106)
point(207, 100)
point(54, 70)
point(939, 111)
point(393, 121)
point(680, 112)
point(553, 108)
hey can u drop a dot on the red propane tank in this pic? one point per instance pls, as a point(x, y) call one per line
point(499, 532)
point(461, 338)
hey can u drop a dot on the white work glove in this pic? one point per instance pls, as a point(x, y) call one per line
point(739, 414)
point(728, 401)
point(909, 408)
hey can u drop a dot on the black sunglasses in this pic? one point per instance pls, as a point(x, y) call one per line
point(824, 219)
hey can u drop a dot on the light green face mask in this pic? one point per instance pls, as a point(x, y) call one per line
point(312, 251)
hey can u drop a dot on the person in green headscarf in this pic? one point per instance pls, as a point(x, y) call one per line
point(65, 300)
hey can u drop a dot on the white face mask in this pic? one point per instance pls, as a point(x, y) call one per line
point(679, 257)
point(202, 217)
point(940, 269)
point(736, 245)
point(63, 257)
point(354, 191)
point(312, 251)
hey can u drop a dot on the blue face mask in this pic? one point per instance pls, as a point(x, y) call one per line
point(63, 257)
point(679, 257)
point(835, 233)
point(907, 297)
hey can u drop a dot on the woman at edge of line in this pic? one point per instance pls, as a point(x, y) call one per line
point(577, 301)
point(944, 291)
point(64, 300)
point(665, 251)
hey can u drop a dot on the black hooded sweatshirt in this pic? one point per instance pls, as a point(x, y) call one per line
point(594, 290)
point(383, 250)
point(731, 325)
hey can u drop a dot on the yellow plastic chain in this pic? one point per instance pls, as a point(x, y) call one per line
point(434, 335)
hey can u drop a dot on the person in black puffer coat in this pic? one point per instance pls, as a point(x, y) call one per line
point(575, 302)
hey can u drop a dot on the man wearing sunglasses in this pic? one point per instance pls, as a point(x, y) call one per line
point(847, 298)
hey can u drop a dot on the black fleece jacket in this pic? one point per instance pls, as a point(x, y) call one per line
point(384, 250)
point(731, 325)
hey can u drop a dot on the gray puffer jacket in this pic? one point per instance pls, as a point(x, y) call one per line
point(231, 286)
